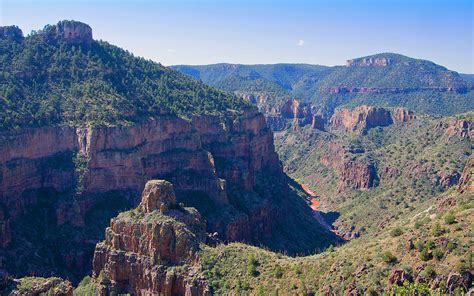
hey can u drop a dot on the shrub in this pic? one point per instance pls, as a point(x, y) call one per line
point(252, 264)
point(389, 258)
point(451, 246)
point(396, 232)
point(430, 244)
point(438, 254)
point(425, 254)
point(462, 266)
point(278, 272)
point(450, 218)
point(437, 230)
point(428, 272)
point(419, 245)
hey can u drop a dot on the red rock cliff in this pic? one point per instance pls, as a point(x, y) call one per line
point(352, 172)
point(205, 156)
point(361, 118)
point(144, 247)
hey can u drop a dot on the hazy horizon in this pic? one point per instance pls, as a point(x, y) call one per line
point(266, 32)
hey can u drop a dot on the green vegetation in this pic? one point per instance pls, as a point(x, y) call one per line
point(450, 218)
point(252, 264)
point(396, 232)
point(48, 81)
point(41, 286)
point(86, 287)
point(408, 160)
point(310, 83)
point(366, 262)
point(389, 258)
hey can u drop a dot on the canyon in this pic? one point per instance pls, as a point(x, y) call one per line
point(121, 175)
point(205, 157)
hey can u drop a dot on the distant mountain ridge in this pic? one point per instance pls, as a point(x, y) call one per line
point(385, 79)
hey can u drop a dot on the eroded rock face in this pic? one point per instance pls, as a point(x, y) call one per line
point(353, 172)
point(362, 118)
point(73, 31)
point(458, 127)
point(369, 62)
point(143, 247)
point(398, 277)
point(466, 182)
point(205, 156)
point(318, 122)
point(300, 113)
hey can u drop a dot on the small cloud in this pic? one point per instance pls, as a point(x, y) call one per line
point(300, 42)
point(170, 50)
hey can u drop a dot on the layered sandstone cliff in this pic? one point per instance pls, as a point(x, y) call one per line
point(152, 250)
point(352, 172)
point(362, 118)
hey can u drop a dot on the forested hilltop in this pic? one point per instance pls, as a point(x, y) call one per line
point(60, 75)
point(386, 79)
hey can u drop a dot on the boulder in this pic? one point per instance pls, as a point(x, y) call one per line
point(158, 195)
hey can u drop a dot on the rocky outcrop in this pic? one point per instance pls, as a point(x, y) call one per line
point(370, 61)
point(143, 248)
point(401, 115)
point(157, 195)
point(399, 276)
point(300, 113)
point(458, 280)
point(458, 127)
point(445, 179)
point(352, 172)
point(392, 90)
point(364, 117)
point(276, 122)
point(466, 182)
point(73, 31)
point(282, 115)
point(11, 33)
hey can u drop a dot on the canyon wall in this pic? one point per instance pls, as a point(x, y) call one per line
point(352, 172)
point(202, 156)
point(361, 118)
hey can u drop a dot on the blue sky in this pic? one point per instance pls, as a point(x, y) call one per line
point(326, 32)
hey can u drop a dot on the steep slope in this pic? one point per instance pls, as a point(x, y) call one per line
point(423, 253)
point(86, 124)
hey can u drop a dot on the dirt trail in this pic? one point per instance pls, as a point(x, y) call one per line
point(314, 205)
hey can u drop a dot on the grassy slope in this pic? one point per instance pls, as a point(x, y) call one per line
point(249, 270)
